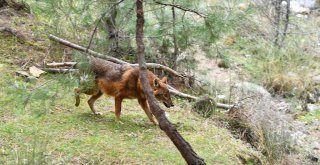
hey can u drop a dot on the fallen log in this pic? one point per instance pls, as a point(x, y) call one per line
point(183, 95)
point(149, 65)
point(58, 70)
point(60, 64)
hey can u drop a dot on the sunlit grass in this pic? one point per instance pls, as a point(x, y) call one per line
point(50, 129)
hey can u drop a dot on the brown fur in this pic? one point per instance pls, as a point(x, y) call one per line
point(122, 82)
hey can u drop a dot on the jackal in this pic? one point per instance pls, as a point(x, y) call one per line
point(122, 82)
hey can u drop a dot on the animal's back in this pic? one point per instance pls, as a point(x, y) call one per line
point(108, 70)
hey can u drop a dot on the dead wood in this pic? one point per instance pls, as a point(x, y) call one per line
point(83, 49)
point(109, 58)
point(60, 64)
point(190, 97)
point(57, 70)
point(149, 65)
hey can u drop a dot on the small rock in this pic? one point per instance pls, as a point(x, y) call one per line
point(312, 98)
point(313, 107)
point(221, 97)
point(132, 134)
point(296, 8)
point(298, 137)
point(301, 16)
point(316, 79)
point(283, 107)
point(243, 6)
point(251, 89)
point(316, 145)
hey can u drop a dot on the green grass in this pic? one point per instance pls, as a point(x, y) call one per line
point(49, 129)
point(311, 116)
point(39, 123)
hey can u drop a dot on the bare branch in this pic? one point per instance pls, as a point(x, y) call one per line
point(60, 64)
point(182, 8)
point(53, 70)
point(83, 49)
point(109, 58)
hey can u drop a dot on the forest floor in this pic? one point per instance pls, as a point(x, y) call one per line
point(39, 123)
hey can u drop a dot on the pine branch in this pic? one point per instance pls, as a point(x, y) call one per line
point(182, 8)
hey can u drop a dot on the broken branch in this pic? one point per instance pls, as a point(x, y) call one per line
point(60, 64)
point(109, 58)
point(181, 8)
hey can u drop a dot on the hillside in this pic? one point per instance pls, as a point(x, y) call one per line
point(275, 89)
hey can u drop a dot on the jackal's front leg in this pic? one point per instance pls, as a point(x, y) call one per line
point(77, 92)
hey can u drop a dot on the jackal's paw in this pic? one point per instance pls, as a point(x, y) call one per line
point(98, 113)
point(155, 123)
point(119, 122)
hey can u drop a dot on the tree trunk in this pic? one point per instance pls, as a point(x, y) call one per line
point(286, 21)
point(175, 45)
point(110, 27)
point(183, 146)
point(277, 6)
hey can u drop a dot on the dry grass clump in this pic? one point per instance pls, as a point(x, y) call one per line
point(205, 106)
point(284, 84)
point(260, 125)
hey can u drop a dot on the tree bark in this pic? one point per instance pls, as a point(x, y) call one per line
point(277, 6)
point(183, 146)
point(110, 27)
point(175, 44)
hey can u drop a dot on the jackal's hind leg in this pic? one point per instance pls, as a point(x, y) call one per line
point(118, 101)
point(91, 101)
point(77, 92)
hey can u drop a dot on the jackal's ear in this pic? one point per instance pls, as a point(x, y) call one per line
point(164, 80)
point(156, 82)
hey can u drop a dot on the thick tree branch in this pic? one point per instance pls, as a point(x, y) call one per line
point(182, 145)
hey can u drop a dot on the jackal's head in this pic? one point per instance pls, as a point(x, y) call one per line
point(160, 90)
